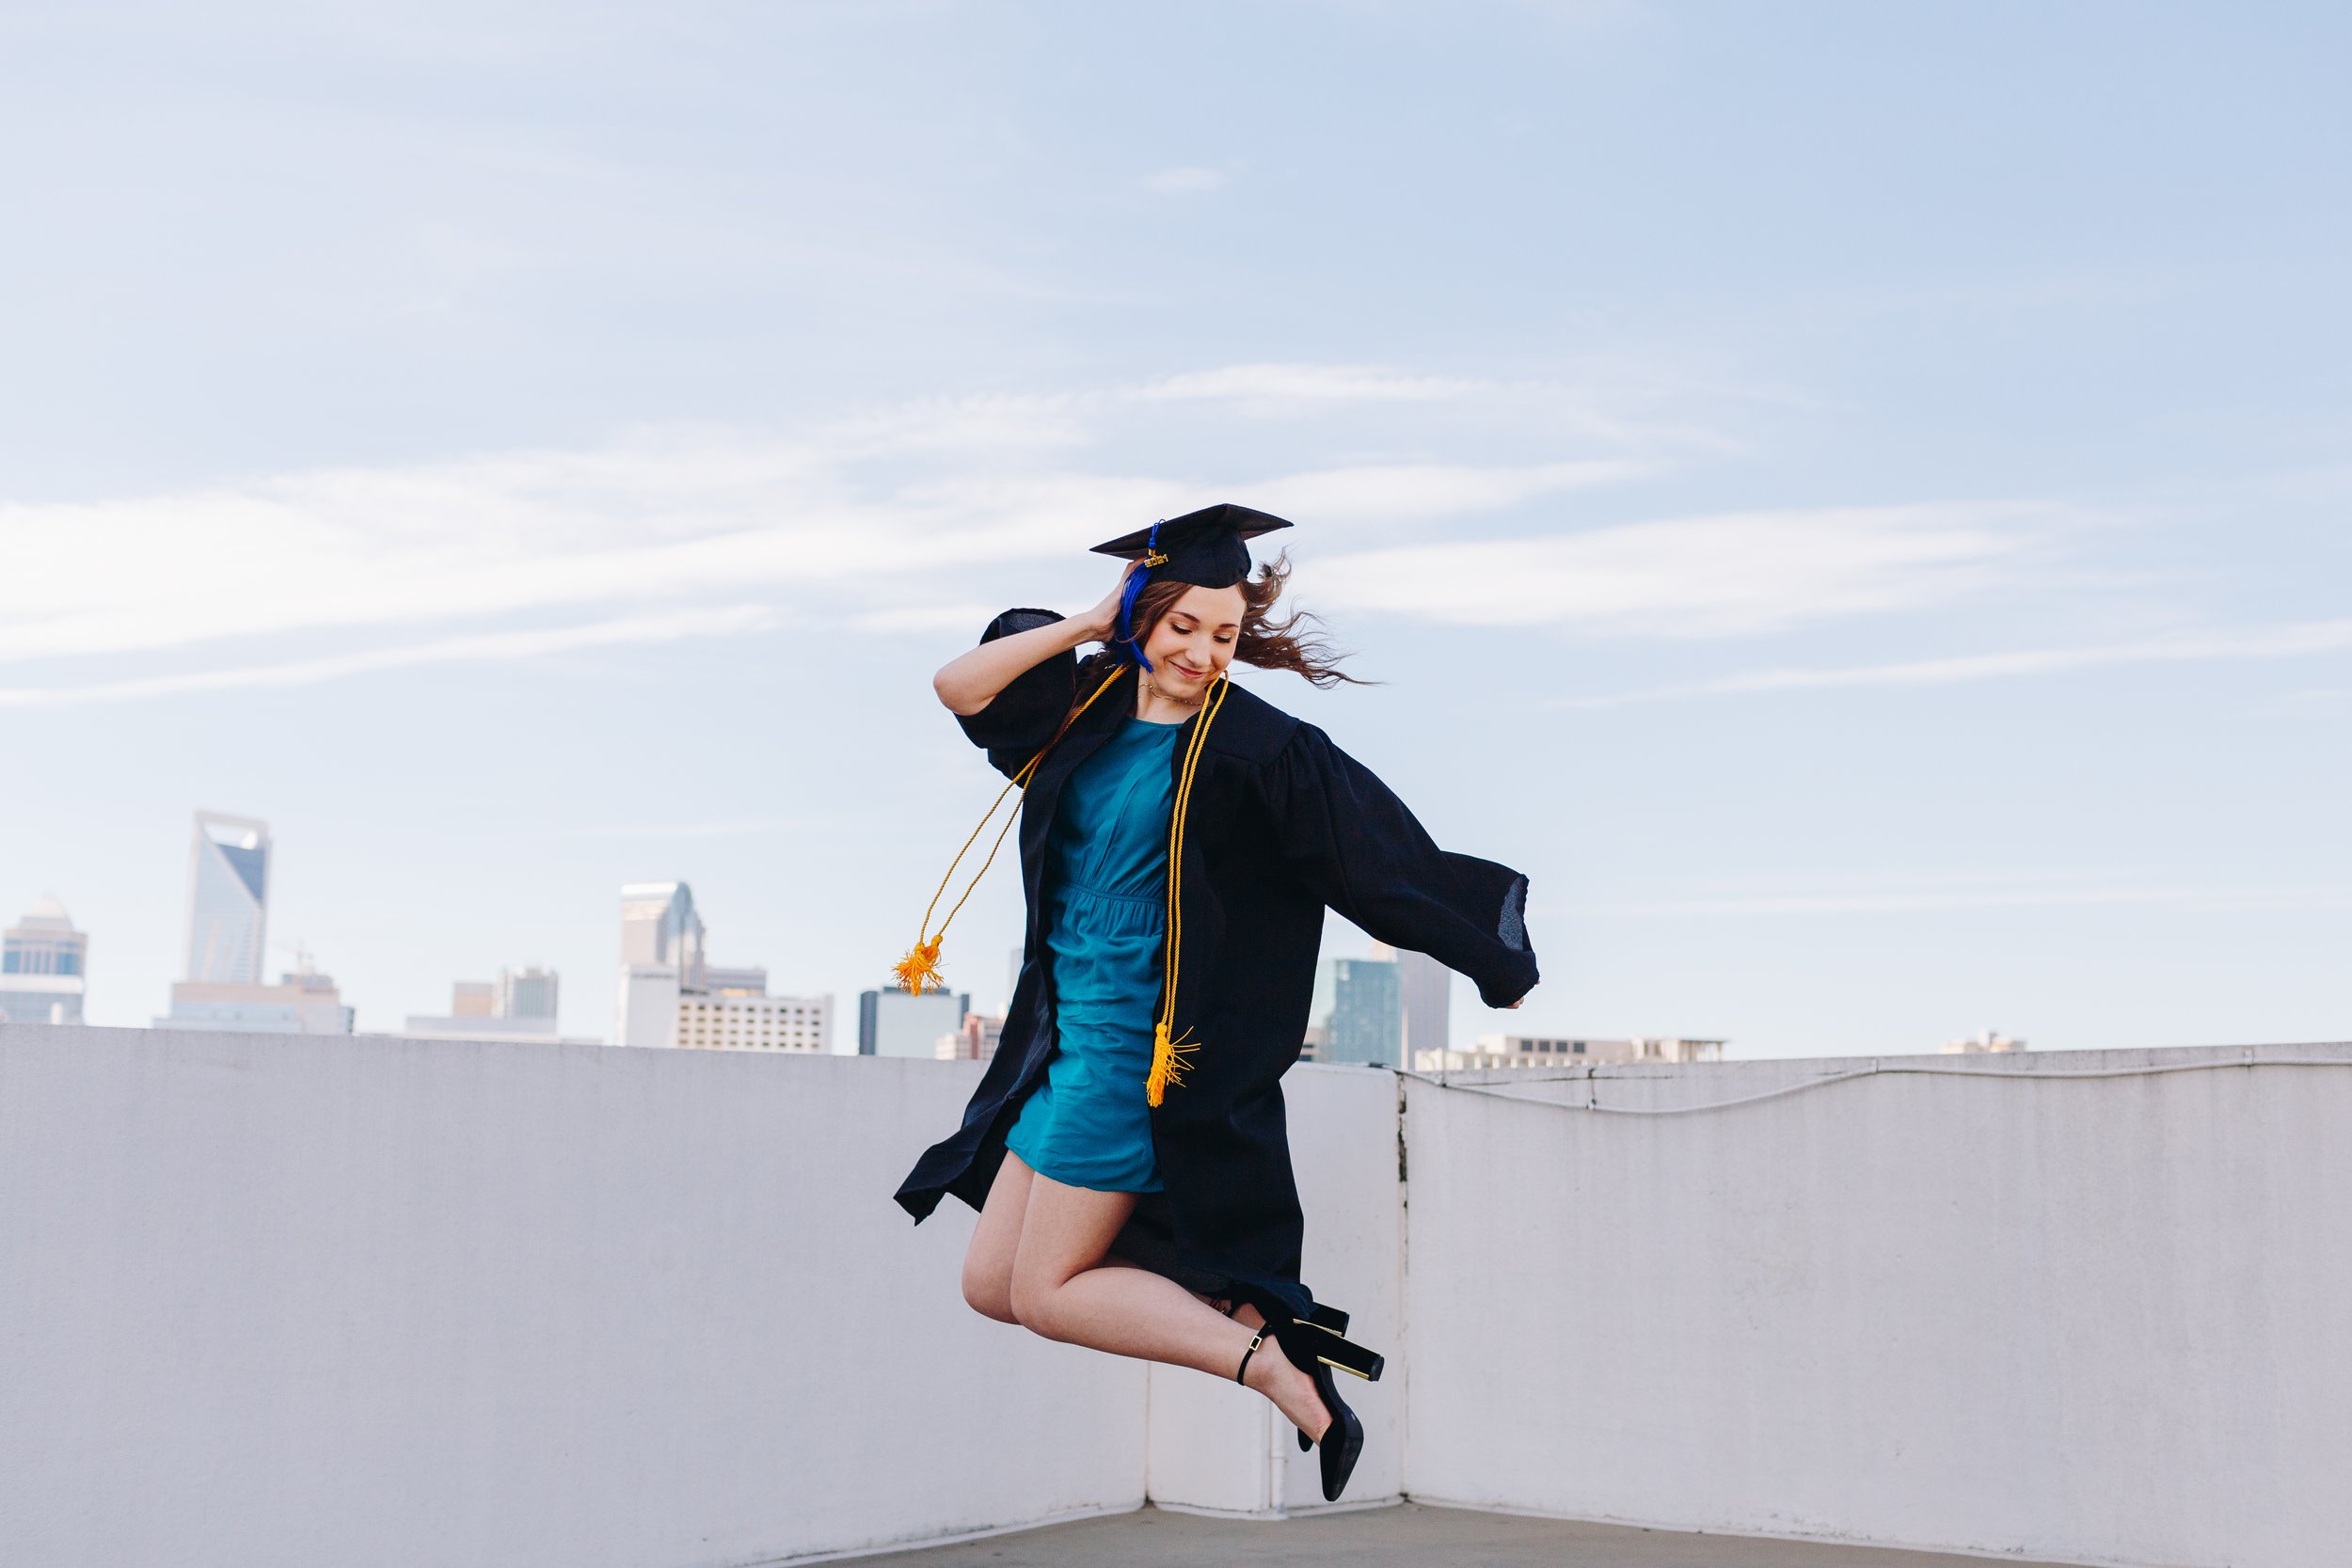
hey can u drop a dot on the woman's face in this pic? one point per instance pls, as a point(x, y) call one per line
point(1194, 642)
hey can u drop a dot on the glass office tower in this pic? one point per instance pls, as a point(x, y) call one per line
point(1367, 1013)
point(227, 899)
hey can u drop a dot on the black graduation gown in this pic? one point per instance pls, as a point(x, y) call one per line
point(1281, 824)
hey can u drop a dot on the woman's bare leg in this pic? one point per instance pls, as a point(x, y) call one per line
point(1063, 1290)
point(988, 1261)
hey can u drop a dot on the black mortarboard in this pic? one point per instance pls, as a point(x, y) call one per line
point(1207, 549)
point(1204, 547)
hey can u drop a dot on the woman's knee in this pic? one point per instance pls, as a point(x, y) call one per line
point(1034, 1305)
point(990, 1294)
point(988, 1283)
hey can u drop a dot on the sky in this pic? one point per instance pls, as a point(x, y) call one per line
point(1851, 499)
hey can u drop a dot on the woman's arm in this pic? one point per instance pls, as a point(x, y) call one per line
point(969, 682)
point(1363, 853)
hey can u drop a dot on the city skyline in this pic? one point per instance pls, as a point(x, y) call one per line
point(664, 936)
point(1851, 510)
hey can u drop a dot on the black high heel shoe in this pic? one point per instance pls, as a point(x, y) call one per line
point(1342, 1353)
point(1315, 1350)
point(1326, 1327)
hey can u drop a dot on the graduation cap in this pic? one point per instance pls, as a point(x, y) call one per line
point(1207, 549)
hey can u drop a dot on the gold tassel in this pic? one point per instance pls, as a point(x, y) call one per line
point(1168, 1063)
point(919, 969)
point(1167, 1057)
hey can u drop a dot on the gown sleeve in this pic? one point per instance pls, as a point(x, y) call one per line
point(1021, 719)
point(1362, 853)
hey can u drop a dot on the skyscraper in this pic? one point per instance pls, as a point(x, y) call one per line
point(227, 899)
point(42, 967)
point(1317, 1045)
point(898, 1023)
point(658, 926)
point(661, 956)
point(1367, 1015)
point(228, 939)
point(1425, 989)
point(526, 994)
point(672, 997)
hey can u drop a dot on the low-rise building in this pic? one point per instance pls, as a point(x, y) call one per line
point(740, 1020)
point(976, 1041)
point(302, 1003)
point(512, 1006)
point(1526, 1051)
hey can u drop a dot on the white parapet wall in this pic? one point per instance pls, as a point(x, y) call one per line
point(2093, 1319)
point(267, 1300)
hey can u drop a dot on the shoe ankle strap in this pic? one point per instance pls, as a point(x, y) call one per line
point(1244, 1368)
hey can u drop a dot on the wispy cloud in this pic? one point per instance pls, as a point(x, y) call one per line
point(744, 826)
point(1725, 575)
point(2298, 641)
point(966, 615)
point(1386, 492)
point(865, 514)
point(488, 646)
point(1278, 383)
point(1185, 179)
point(876, 522)
point(633, 526)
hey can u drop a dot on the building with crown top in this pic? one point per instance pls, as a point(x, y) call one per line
point(43, 967)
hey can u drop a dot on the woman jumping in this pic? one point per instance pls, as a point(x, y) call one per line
point(1180, 840)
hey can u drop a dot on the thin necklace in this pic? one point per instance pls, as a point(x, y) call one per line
point(1172, 702)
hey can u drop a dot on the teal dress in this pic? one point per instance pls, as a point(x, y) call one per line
point(1087, 1123)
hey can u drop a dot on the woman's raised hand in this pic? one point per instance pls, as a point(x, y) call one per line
point(1102, 621)
point(970, 681)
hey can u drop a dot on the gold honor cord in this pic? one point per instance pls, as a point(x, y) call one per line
point(919, 970)
point(1167, 1057)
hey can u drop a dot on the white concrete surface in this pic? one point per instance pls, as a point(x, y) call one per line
point(2102, 1320)
point(277, 1301)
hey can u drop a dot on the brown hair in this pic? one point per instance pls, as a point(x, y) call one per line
point(1292, 643)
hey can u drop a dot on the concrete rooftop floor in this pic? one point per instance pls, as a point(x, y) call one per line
point(1408, 1534)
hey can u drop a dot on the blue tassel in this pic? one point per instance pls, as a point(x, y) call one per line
point(1127, 601)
